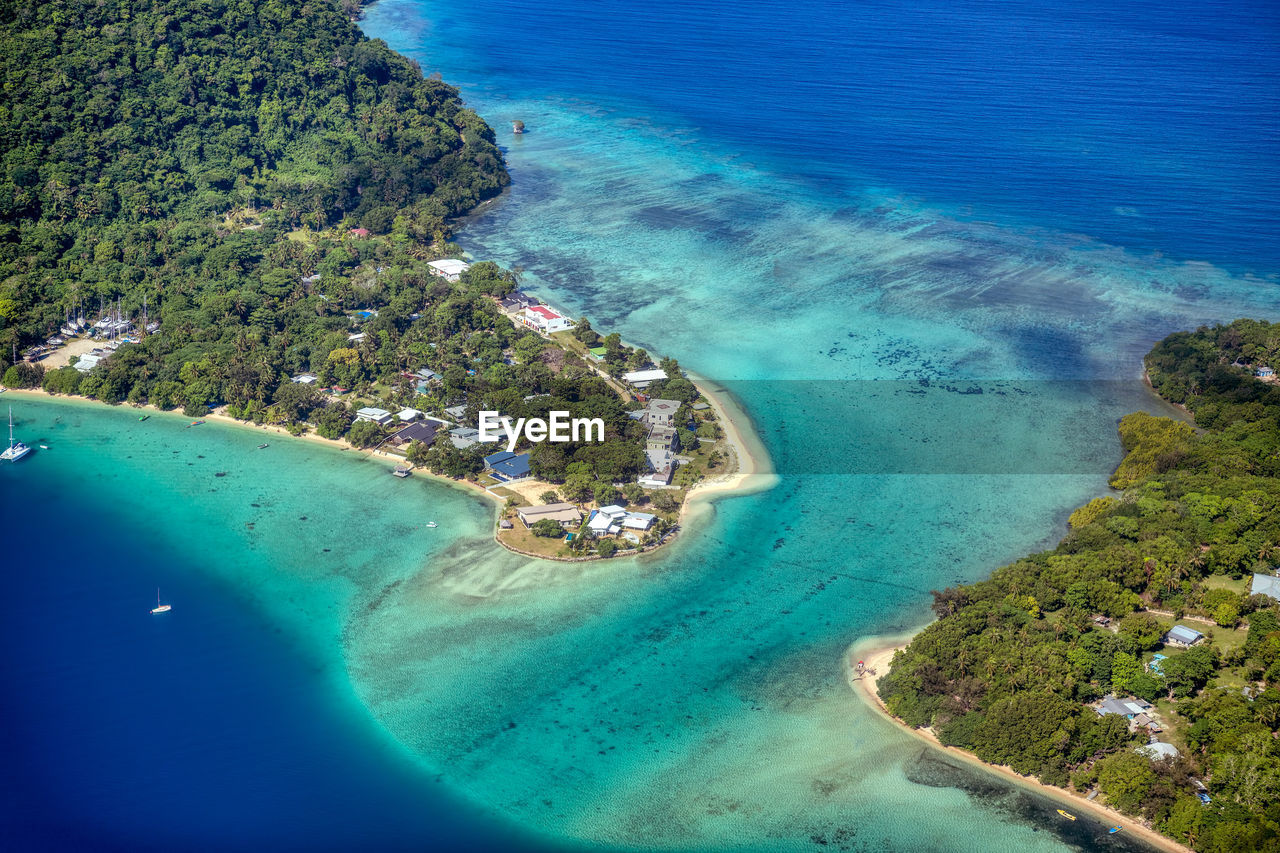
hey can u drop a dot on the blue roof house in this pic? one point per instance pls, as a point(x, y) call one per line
point(1181, 635)
point(508, 466)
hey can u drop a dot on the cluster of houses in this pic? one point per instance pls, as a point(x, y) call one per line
point(612, 520)
point(1139, 713)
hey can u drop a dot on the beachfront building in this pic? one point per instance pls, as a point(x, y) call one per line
point(1268, 585)
point(565, 514)
point(381, 417)
point(661, 413)
point(543, 319)
point(1181, 635)
point(449, 269)
point(641, 379)
point(516, 301)
point(613, 520)
point(423, 431)
point(508, 467)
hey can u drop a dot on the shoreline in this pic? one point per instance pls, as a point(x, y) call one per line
point(747, 465)
point(877, 653)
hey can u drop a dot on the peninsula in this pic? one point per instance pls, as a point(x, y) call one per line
point(1138, 662)
point(219, 223)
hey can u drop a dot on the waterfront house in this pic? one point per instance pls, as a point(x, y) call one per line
point(543, 319)
point(450, 269)
point(516, 301)
point(659, 476)
point(381, 417)
point(597, 353)
point(1268, 585)
point(638, 520)
point(641, 379)
point(1181, 635)
point(661, 413)
point(508, 467)
point(565, 514)
point(423, 431)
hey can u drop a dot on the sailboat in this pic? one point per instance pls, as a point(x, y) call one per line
point(17, 449)
point(160, 608)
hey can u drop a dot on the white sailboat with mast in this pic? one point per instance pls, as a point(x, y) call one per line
point(160, 608)
point(17, 449)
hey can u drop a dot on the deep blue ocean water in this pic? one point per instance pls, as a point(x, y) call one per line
point(823, 206)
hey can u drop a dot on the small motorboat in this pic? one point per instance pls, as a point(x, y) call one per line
point(1113, 830)
point(44, 447)
point(143, 417)
point(263, 446)
point(195, 423)
point(1067, 815)
point(432, 524)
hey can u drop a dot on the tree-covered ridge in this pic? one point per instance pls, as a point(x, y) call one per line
point(1010, 665)
point(128, 133)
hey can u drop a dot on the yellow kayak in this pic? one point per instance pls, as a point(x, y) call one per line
point(1067, 815)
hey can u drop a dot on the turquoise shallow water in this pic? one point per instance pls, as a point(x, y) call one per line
point(693, 699)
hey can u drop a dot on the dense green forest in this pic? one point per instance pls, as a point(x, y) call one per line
point(1008, 668)
point(169, 148)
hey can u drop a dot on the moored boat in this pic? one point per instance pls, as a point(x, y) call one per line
point(16, 449)
point(160, 608)
point(1067, 815)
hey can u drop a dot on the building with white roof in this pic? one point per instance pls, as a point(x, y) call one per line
point(641, 379)
point(305, 379)
point(408, 416)
point(381, 417)
point(449, 269)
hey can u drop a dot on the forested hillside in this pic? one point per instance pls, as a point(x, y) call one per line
point(1016, 664)
point(167, 148)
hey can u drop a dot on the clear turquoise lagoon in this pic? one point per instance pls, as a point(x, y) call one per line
point(853, 218)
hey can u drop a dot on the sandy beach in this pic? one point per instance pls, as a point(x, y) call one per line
point(877, 654)
point(750, 470)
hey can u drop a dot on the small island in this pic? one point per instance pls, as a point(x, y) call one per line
point(1138, 663)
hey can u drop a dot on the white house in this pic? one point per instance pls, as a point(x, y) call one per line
point(381, 417)
point(356, 337)
point(449, 269)
point(643, 378)
point(662, 413)
point(408, 416)
point(543, 319)
point(304, 379)
point(638, 520)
